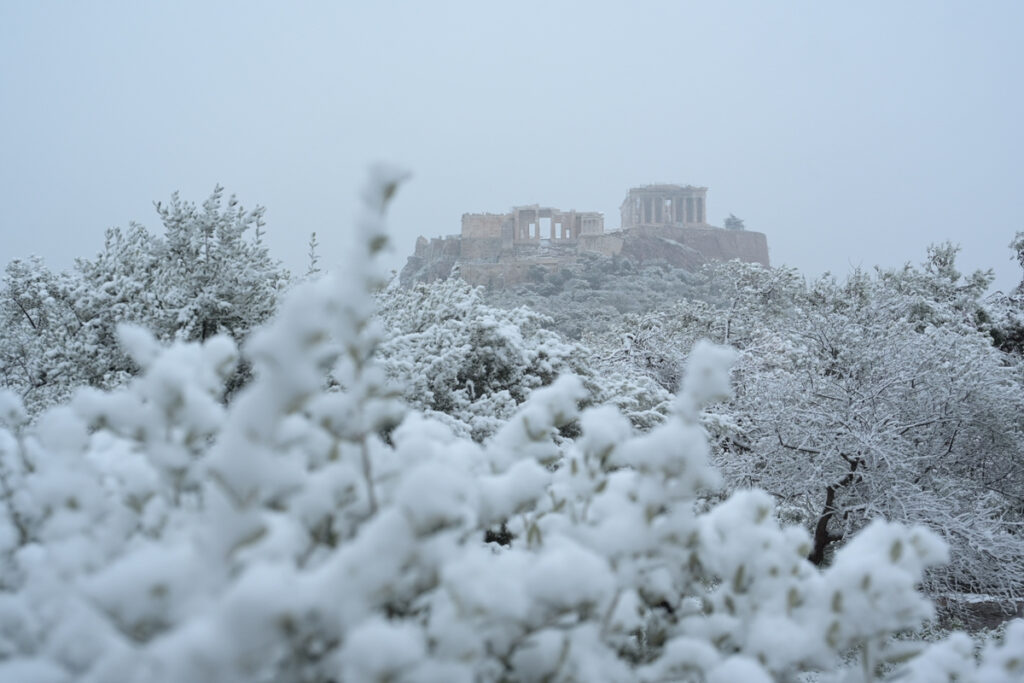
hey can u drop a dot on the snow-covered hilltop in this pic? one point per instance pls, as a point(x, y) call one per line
point(660, 223)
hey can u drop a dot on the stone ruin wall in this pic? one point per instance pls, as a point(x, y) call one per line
point(482, 225)
point(664, 223)
point(714, 244)
point(609, 244)
point(484, 235)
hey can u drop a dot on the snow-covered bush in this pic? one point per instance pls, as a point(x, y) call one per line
point(152, 533)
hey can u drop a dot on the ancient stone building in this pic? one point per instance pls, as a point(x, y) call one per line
point(540, 223)
point(664, 205)
point(659, 223)
point(526, 224)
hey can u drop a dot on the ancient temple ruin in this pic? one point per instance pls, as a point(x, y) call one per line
point(532, 223)
point(664, 205)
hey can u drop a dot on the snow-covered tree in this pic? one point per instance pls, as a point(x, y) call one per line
point(153, 533)
point(1006, 310)
point(734, 223)
point(591, 296)
point(737, 303)
point(473, 364)
point(454, 355)
point(202, 277)
point(879, 396)
point(46, 345)
point(867, 414)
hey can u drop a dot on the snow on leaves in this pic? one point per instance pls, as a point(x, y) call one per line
point(315, 529)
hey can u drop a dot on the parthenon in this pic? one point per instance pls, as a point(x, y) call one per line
point(664, 205)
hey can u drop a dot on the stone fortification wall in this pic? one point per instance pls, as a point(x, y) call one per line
point(714, 244)
point(607, 244)
point(481, 249)
point(482, 225)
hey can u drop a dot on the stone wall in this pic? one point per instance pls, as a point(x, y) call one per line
point(482, 225)
point(715, 244)
point(608, 244)
point(481, 249)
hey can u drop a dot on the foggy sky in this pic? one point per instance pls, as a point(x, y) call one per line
point(852, 134)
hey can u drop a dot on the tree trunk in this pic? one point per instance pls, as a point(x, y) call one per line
point(822, 538)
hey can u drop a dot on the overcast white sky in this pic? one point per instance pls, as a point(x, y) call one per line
point(850, 133)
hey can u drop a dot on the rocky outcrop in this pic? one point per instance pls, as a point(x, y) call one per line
point(432, 260)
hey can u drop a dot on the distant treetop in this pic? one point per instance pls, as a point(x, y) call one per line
point(733, 223)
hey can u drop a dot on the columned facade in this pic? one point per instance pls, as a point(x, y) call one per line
point(679, 205)
point(537, 222)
